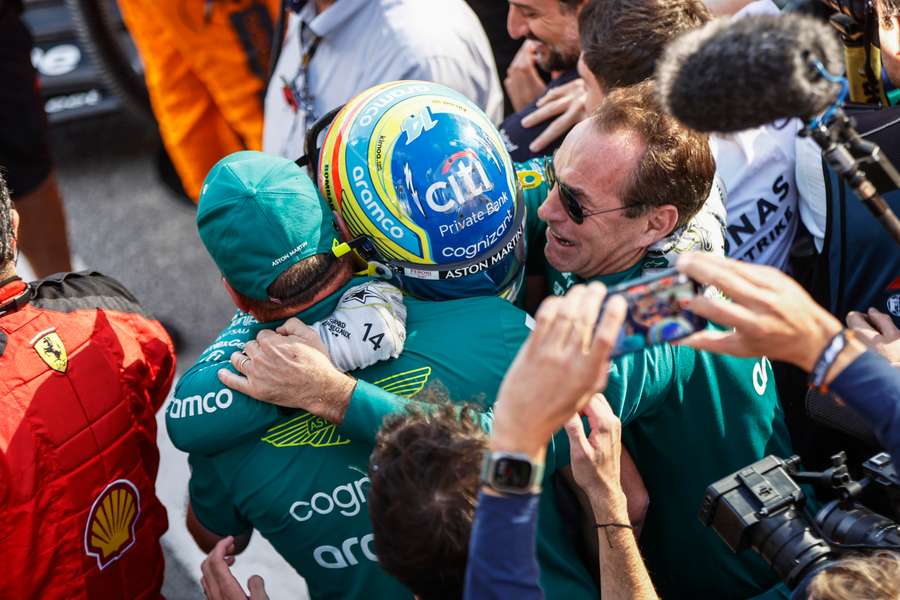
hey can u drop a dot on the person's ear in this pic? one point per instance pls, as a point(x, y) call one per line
point(238, 300)
point(341, 226)
point(661, 221)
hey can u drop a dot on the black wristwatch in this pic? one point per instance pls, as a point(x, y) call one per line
point(511, 473)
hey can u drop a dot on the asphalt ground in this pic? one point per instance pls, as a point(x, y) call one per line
point(126, 224)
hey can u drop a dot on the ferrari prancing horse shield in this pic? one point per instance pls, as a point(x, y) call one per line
point(50, 348)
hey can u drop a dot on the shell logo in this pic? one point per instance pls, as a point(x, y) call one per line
point(109, 531)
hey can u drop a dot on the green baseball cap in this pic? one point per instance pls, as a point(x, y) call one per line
point(257, 216)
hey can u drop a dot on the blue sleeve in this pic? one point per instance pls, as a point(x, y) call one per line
point(502, 552)
point(871, 387)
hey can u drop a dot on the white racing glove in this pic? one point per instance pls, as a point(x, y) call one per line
point(367, 326)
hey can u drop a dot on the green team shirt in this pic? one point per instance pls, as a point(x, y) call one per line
point(302, 482)
point(691, 419)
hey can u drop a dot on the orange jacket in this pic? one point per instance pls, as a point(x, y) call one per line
point(84, 371)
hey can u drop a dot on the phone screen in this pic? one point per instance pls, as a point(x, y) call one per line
point(657, 310)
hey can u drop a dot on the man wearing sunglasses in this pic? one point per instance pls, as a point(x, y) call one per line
point(623, 182)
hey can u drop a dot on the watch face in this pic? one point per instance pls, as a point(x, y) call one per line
point(512, 472)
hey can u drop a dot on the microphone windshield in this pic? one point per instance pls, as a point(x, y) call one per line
point(735, 74)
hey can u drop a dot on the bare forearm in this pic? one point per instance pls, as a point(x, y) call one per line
point(622, 570)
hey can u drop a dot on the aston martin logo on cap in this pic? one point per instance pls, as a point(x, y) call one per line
point(50, 348)
point(109, 531)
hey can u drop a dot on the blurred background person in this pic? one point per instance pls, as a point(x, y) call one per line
point(84, 371)
point(333, 49)
point(550, 31)
point(24, 152)
point(206, 65)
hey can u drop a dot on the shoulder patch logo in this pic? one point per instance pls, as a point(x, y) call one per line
point(304, 430)
point(407, 383)
point(109, 531)
point(50, 348)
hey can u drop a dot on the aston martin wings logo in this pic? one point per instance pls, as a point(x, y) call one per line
point(50, 349)
point(304, 430)
point(310, 430)
point(406, 384)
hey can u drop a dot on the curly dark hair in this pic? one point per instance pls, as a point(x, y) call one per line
point(6, 225)
point(424, 475)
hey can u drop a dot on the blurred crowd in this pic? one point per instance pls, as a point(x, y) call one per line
point(451, 232)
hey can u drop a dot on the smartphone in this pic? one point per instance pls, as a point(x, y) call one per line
point(657, 310)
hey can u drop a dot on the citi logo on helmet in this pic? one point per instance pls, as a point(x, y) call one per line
point(466, 179)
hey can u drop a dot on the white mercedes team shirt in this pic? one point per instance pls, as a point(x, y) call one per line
point(362, 43)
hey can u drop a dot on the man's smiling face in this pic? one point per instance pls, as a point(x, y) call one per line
point(595, 167)
point(551, 23)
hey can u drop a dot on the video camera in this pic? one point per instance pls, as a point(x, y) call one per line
point(762, 506)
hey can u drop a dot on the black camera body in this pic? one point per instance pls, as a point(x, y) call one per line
point(762, 506)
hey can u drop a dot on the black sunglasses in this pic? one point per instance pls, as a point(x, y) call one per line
point(568, 200)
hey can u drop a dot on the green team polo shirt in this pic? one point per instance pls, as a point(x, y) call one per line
point(302, 482)
point(691, 418)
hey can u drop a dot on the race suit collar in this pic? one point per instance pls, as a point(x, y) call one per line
point(14, 293)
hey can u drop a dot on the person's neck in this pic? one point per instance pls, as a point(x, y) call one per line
point(617, 266)
point(321, 5)
point(344, 274)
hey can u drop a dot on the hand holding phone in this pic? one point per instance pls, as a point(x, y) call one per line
point(657, 310)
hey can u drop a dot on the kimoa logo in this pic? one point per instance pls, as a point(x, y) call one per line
point(346, 498)
point(198, 405)
point(341, 557)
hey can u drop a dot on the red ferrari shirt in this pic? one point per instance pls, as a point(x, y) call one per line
point(84, 371)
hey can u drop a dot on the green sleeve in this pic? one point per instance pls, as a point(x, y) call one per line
point(370, 405)
point(533, 181)
point(210, 500)
point(206, 416)
point(640, 381)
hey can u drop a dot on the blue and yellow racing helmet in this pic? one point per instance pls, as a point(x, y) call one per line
point(421, 179)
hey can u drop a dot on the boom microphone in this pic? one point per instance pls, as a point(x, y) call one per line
point(731, 75)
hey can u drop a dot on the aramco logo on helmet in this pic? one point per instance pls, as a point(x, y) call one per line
point(375, 211)
point(109, 531)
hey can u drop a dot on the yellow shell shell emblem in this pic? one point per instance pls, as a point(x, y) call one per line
point(50, 348)
point(109, 532)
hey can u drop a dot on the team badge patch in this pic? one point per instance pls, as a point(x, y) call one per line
point(50, 348)
point(304, 430)
point(109, 531)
